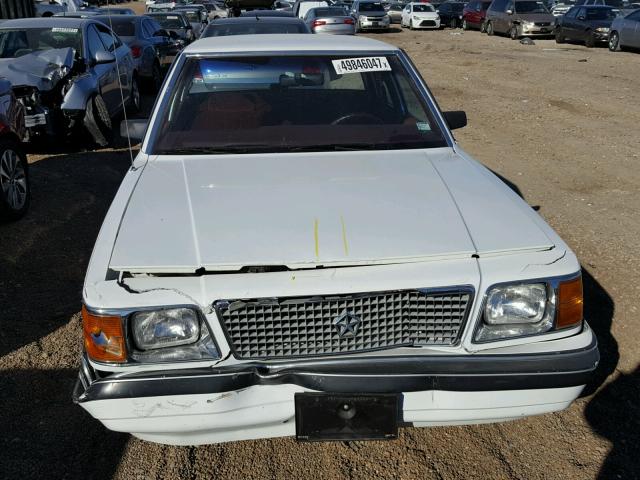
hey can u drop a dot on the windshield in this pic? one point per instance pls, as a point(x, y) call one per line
point(170, 21)
point(223, 28)
point(530, 7)
point(124, 29)
point(330, 12)
point(284, 104)
point(423, 8)
point(16, 43)
point(395, 8)
point(600, 14)
point(192, 16)
point(457, 7)
point(371, 7)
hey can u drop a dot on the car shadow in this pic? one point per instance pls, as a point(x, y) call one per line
point(45, 434)
point(614, 413)
point(43, 257)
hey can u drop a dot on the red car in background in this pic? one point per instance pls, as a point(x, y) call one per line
point(474, 13)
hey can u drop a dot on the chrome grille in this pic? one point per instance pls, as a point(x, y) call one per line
point(292, 327)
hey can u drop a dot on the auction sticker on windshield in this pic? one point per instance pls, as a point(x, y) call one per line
point(360, 65)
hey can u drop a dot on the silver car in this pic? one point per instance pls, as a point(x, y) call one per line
point(395, 12)
point(71, 74)
point(332, 20)
point(625, 32)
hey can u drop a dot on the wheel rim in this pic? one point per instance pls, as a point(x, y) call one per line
point(13, 179)
point(613, 41)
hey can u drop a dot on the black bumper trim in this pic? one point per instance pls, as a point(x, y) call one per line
point(478, 372)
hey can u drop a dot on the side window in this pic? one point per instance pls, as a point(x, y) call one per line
point(510, 6)
point(412, 104)
point(94, 43)
point(571, 13)
point(110, 39)
point(634, 16)
point(582, 13)
point(148, 28)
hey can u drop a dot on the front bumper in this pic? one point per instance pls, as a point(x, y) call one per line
point(256, 400)
point(373, 25)
point(536, 31)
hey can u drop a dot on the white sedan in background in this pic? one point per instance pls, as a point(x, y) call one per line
point(420, 15)
point(302, 248)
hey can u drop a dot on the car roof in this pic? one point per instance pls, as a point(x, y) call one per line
point(47, 22)
point(299, 42)
point(117, 19)
point(253, 19)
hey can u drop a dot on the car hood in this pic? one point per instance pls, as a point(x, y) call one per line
point(372, 14)
point(42, 70)
point(425, 14)
point(536, 17)
point(305, 210)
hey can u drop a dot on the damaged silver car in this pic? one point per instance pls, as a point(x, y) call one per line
point(71, 74)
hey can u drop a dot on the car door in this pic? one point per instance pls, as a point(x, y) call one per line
point(579, 25)
point(504, 19)
point(105, 74)
point(406, 15)
point(161, 45)
point(123, 66)
point(630, 34)
point(568, 22)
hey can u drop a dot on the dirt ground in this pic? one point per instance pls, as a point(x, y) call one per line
point(557, 122)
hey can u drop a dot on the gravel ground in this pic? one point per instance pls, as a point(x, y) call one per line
point(559, 124)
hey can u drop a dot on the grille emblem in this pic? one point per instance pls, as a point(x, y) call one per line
point(347, 324)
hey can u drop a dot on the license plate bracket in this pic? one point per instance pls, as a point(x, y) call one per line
point(341, 417)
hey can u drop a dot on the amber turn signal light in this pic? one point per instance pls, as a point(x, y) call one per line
point(103, 337)
point(570, 303)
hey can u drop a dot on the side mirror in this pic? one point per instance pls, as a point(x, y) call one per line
point(135, 128)
point(161, 33)
point(5, 87)
point(509, 12)
point(101, 57)
point(582, 17)
point(455, 119)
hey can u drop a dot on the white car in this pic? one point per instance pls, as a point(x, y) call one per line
point(302, 248)
point(420, 15)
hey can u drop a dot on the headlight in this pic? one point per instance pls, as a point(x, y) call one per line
point(602, 29)
point(525, 309)
point(165, 328)
point(362, 18)
point(528, 24)
point(161, 335)
point(169, 335)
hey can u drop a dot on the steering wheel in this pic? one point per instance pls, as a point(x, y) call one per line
point(357, 118)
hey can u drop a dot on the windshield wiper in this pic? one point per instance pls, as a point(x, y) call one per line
point(214, 150)
point(349, 147)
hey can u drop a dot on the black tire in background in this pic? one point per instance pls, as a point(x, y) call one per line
point(133, 105)
point(614, 41)
point(15, 190)
point(559, 37)
point(513, 33)
point(489, 29)
point(590, 40)
point(97, 121)
point(453, 23)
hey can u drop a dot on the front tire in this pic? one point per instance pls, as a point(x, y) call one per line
point(453, 23)
point(15, 190)
point(465, 25)
point(513, 33)
point(614, 41)
point(411, 27)
point(590, 40)
point(134, 98)
point(559, 37)
point(489, 29)
point(97, 121)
